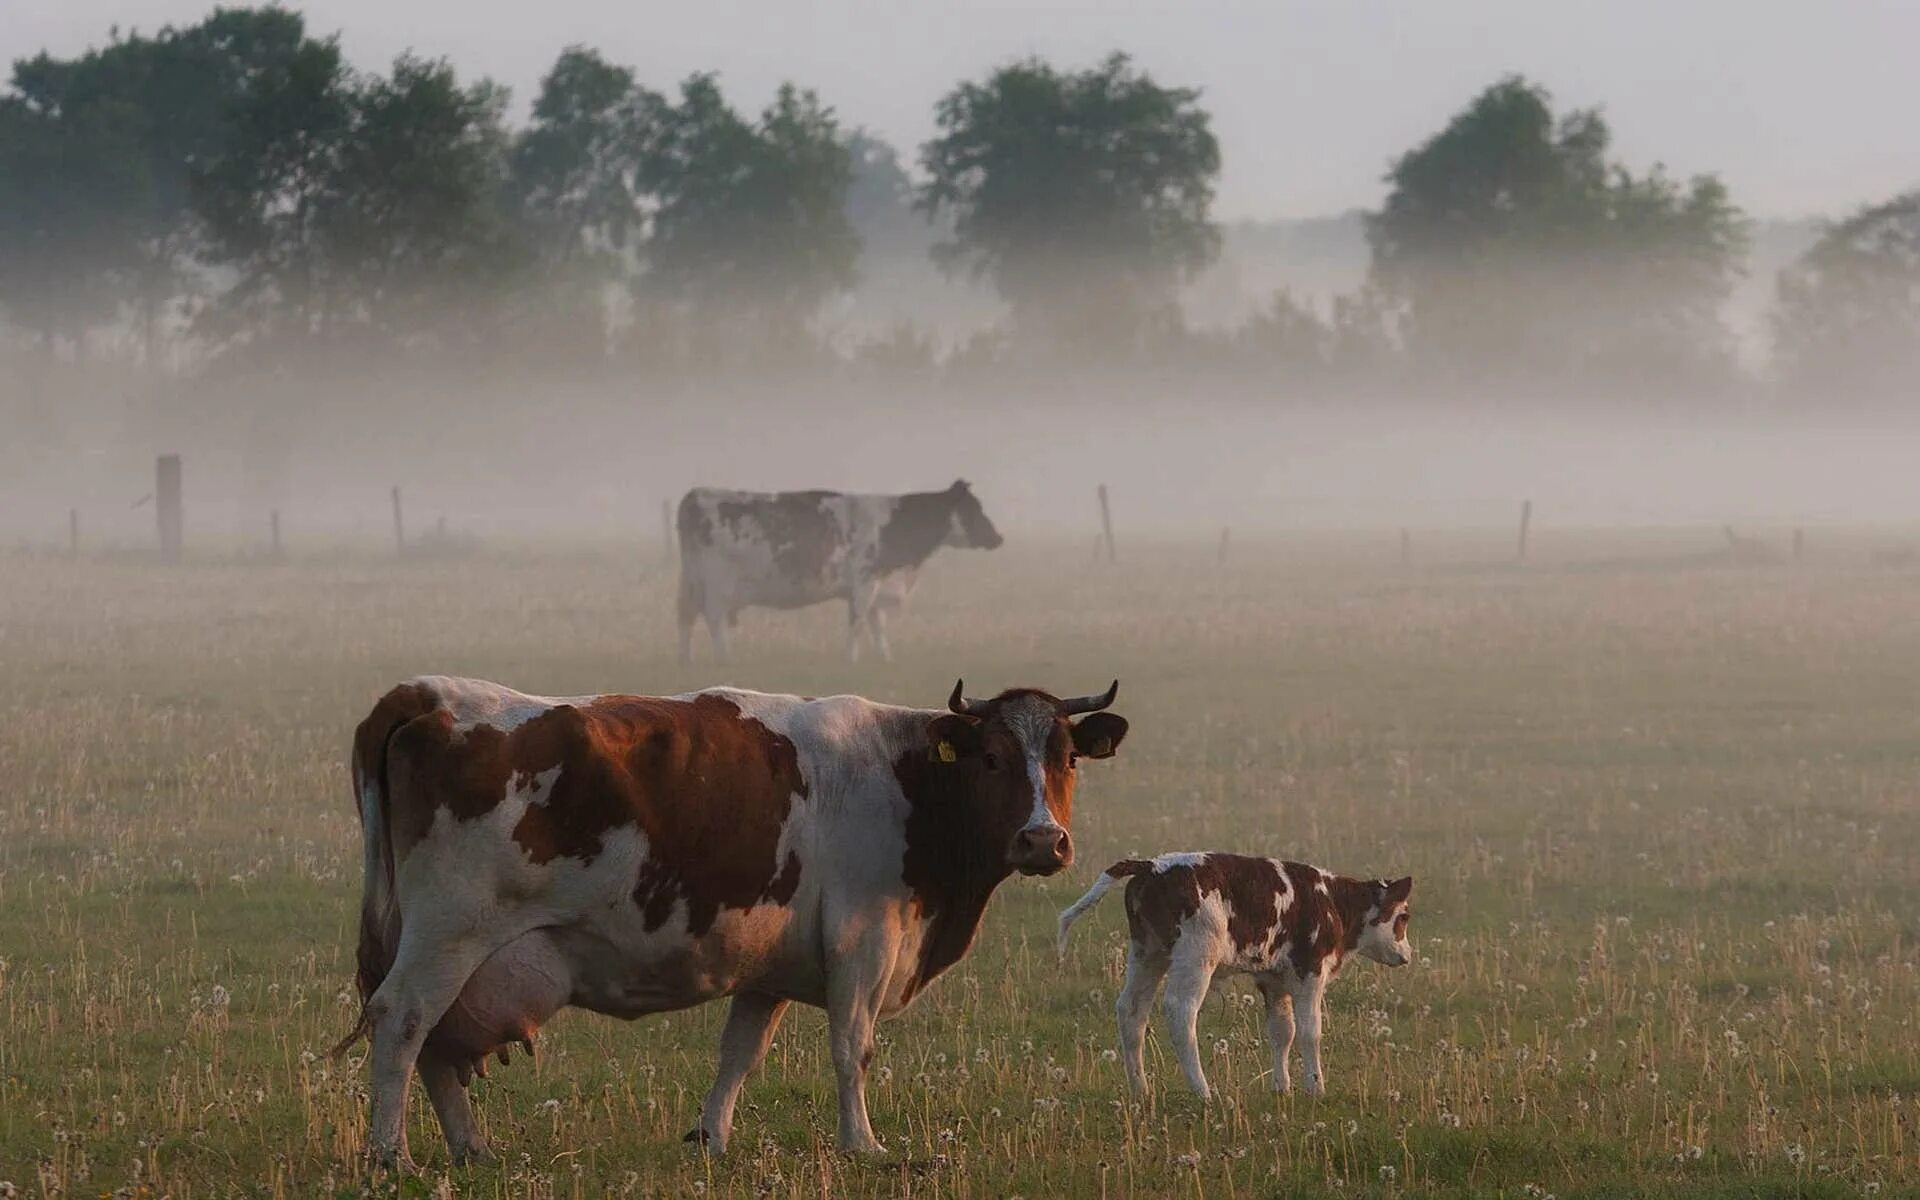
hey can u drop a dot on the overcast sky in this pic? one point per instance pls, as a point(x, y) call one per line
point(1803, 107)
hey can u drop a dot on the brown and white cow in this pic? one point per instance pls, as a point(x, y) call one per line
point(635, 854)
point(1287, 924)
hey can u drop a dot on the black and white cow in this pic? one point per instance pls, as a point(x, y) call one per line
point(797, 549)
point(637, 854)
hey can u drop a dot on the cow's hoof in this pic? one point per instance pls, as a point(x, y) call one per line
point(476, 1155)
point(870, 1148)
point(390, 1158)
point(708, 1143)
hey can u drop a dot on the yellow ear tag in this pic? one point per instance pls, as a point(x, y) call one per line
point(944, 751)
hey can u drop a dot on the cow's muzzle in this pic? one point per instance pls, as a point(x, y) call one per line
point(1040, 850)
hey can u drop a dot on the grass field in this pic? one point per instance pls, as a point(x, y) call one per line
point(1665, 825)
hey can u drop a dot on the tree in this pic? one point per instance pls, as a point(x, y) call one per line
point(1517, 250)
point(72, 190)
point(412, 226)
point(1084, 197)
point(1848, 314)
point(137, 119)
point(343, 203)
point(572, 172)
point(748, 232)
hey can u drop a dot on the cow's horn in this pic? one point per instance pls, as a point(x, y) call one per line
point(959, 703)
point(1087, 704)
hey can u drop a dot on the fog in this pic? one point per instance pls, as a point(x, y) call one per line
point(527, 461)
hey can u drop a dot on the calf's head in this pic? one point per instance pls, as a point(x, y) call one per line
point(1016, 757)
point(1384, 937)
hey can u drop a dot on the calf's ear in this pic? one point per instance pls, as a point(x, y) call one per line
point(952, 737)
point(1098, 735)
point(1399, 889)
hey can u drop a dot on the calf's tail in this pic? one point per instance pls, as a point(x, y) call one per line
point(1108, 877)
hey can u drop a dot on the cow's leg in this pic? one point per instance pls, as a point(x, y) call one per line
point(855, 618)
point(1279, 1029)
point(1133, 1008)
point(1308, 1014)
point(426, 978)
point(853, 1006)
point(455, 1110)
point(877, 622)
point(687, 611)
point(719, 622)
point(1187, 986)
point(751, 1022)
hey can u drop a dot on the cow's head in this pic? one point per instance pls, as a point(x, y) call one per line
point(967, 526)
point(1017, 755)
point(1384, 937)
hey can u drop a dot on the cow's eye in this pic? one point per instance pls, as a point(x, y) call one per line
point(1073, 760)
point(990, 761)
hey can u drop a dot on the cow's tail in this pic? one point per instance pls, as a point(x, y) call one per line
point(1112, 875)
point(379, 906)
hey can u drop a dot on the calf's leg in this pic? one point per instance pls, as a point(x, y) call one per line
point(1133, 1007)
point(1279, 1030)
point(1307, 1014)
point(1187, 984)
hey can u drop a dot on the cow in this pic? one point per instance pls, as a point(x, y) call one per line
point(1287, 924)
point(635, 854)
point(797, 549)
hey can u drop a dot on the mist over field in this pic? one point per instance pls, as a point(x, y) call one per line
point(1512, 485)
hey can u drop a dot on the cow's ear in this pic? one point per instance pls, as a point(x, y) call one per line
point(1399, 890)
point(952, 737)
point(1098, 735)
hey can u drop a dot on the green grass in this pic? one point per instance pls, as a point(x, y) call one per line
point(1662, 821)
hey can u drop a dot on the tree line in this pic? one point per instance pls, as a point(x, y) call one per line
point(234, 192)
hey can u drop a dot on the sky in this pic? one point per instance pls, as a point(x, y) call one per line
point(1804, 108)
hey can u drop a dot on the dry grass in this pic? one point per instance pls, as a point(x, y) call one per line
point(1663, 823)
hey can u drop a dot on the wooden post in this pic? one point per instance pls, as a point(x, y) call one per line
point(273, 523)
point(1106, 522)
point(1526, 521)
point(440, 529)
point(1406, 547)
point(166, 495)
point(1225, 535)
point(1799, 543)
point(666, 533)
point(73, 532)
point(399, 525)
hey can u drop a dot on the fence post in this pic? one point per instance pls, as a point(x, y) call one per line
point(1526, 521)
point(73, 532)
point(166, 495)
point(1106, 522)
point(399, 525)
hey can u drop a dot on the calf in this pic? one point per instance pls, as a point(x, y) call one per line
point(1287, 924)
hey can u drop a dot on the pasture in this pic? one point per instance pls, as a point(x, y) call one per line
point(1665, 826)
